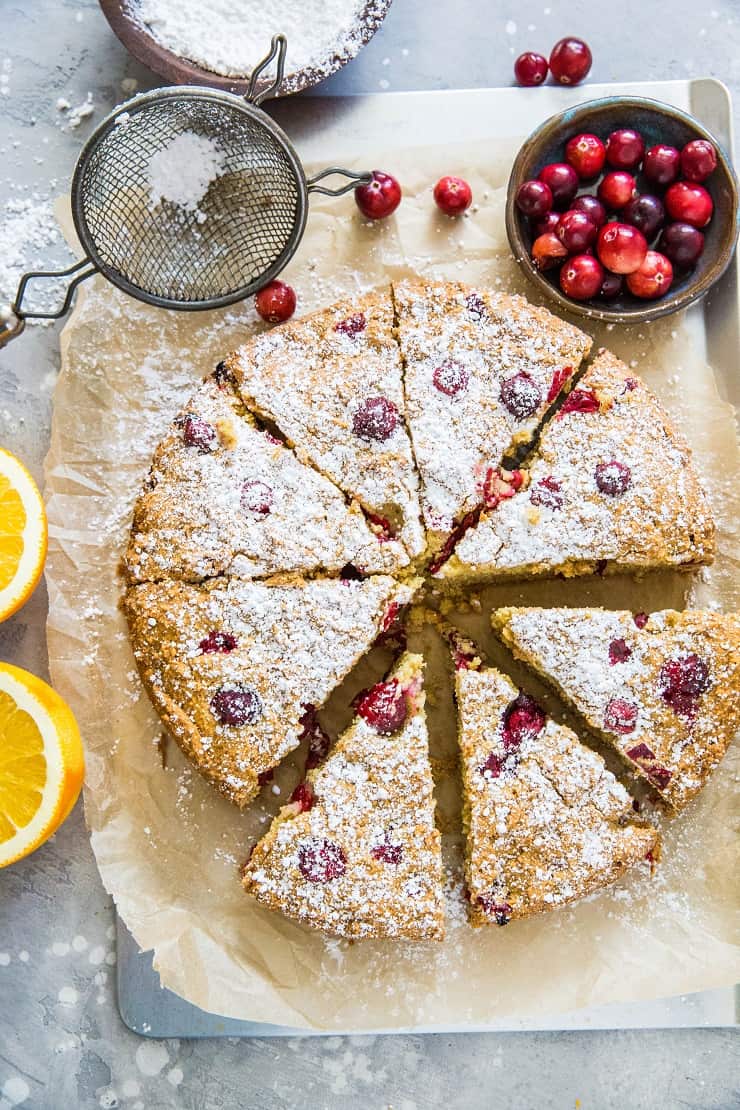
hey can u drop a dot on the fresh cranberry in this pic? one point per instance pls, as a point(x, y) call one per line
point(659, 775)
point(559, 378)
point(576, 231)
point(276, 302)
point(653, 278)
point(391, 616)
point(321, 860)
point(453, 195)
point(689, 203)
point(236, 705)
point(352, 326)
point(302, 797)
point(631, 384)
point(318, 740)
point(624, 149)
point(476, 306)
point(451, 377)
point(493, 766)
point(523, 719)
point(256, 498)
point(534, 199)
point(570, 61)
point(698, 160)
point(611, 286)
point(530, 69)
point(199, 433)
point(641, 619)
point(646, 213)
point(620, 716)
point(548, 493)
point(682, 681)
point(222, 375)
point(548, 222)
point(641, 751)
point(581, 277)
point(548, 251)
point(579, 400)
point(616, 189)
point(586, 154)
point(521, 395)
point(380, 197)
point(380, 525)
point(619, 651)
point(613, 478)
point(500, 911)
point(388, 852)
point(661, 164)
point(593, 208)
point(375, 419)
point(682, 243)
point(621, 247)
point(562, 180)
point(384, 707)
point(218, 642)
point(498, 485)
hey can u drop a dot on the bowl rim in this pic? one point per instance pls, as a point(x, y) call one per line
point(654, 309)
point(180, 71)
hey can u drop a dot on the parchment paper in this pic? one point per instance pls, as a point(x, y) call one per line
point(168, 848)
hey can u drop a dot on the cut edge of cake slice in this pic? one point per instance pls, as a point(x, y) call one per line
point(662, 689)
point(356, 852)
point(545, 822)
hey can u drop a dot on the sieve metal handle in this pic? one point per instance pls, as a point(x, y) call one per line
point(355, 179)
point(278, 50)
point(12, 328)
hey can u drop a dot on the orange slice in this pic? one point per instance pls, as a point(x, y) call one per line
point(41, 762)
point(23, 534)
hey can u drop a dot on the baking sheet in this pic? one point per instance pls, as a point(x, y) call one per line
point(166, 847)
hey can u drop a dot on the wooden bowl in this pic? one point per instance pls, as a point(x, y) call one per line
point(656, 122)
point(180, 71)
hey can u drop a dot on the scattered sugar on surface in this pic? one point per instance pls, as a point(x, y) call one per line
point(68, 996)
point(4, 959)
point(79, 943)
point(15, 1090)
point(151, 1058)
point(29, 232)
point(97, 955)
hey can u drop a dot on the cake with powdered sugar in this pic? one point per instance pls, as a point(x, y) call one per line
point(356, 853)
point(224, 495)
point(611, 487)
point(663, 689)
point(481, 369)
point(545, 821)
point(233, 667)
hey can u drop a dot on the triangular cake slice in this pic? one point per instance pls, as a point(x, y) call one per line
point(356, 852)
point(480, 371)
point(224, 495)
point(545, 822)
point(233, 667)
point(331, 383)
point(664, 690)
point(610, 488)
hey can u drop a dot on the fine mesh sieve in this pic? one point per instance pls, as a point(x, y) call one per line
point(242, 232)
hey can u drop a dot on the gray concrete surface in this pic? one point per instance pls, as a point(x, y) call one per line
point(62, 1044)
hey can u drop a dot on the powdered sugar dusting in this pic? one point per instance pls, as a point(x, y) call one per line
point(182, 171)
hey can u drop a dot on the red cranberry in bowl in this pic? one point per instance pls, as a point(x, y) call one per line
point(380, 197)
point(689, 203)
point(592, 206)
point(611, 286)
point(453, 195)
point(548, 222)
point(682, 244)
point(548, 251)
point(661, 164)
point(653, 278)
point(576, 231)
point(586, 154)
point(621, 247)
point(534, 199)
point(570, 61)
point(698, 160)
point(625, 149)
point(562, 181)
point(276, 302)
point(581, 277)
point(616, 189)
point(646, 213)
point(530, 69)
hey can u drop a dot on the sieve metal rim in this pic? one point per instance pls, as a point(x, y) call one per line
point(139, 104)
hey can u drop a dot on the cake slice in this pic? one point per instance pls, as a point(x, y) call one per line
point(235, 668)
point(480, 371)
point(224, 495)
point(545, 822)
point(611, 487)
point(331, 383)
point(664, 690)
point(356, 852)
